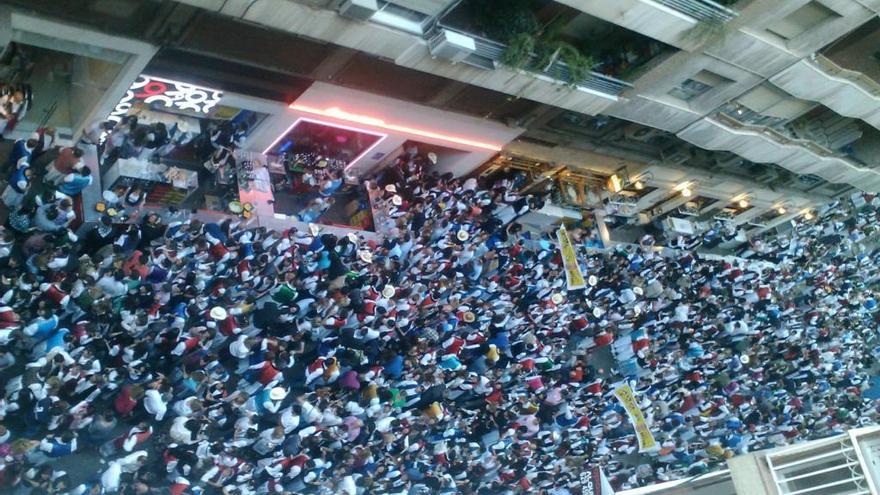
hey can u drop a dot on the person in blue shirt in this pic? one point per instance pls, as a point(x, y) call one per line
point(75, 182)
point(22, 149)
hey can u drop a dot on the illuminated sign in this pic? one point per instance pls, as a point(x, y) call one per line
point(330, 124)
point(175, 96)
point(340, 114)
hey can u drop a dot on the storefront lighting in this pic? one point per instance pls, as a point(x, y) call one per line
point(743, 203)
point(686, 192)
point(781, 210)
point(615, 185)
point(639, 185)
point(808, 215)
point(337, 113)
point(332, 124)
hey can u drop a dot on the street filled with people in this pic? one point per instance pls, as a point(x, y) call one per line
point(175, 355)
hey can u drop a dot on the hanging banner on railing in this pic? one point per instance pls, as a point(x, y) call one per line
point(574, 279)
point(593, 482)
point(627, 398)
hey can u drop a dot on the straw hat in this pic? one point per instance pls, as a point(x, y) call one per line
point(277, 393)
point(462, 235)
point(637, 310)
point(432, 157)
point(638, 291)
point(218, 313)
point(388, 291)
point(556, 298)
point(597, 312)
point(592, 280)
point(469, 317)
point(391, 188)
point(365, 256)
point(744, 359)
point(352, 237)
point(396, 200)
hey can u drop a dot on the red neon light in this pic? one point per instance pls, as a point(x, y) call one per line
point(338, 113)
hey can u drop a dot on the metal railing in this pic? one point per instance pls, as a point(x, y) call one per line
point(701, 10)
point(488, 55)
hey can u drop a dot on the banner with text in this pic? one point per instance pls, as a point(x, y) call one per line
point(627, 398)
point(574, 279)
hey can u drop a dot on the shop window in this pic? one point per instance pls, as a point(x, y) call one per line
point(801, 20)
point(395, 16)
point(698, 85)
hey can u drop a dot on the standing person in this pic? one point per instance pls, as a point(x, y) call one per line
point(75, 182)
point(21, 153)
point(45, 141)
point(19, 182)
point(68, 160)
point(12, 108)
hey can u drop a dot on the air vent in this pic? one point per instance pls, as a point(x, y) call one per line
point(361, 10)
point(451, 46)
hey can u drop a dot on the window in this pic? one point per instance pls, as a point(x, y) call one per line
point(801, 20)
point(395, 16)
point(698, 85)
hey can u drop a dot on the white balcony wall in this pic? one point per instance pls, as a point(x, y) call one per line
point(847, 93)
point(762, 147)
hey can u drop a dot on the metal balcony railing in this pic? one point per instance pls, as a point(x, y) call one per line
point(488, 55)
point(701, 10)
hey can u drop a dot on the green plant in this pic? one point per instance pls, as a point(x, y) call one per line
point(529, 45)
point(579, 65)
point(504, 20)
point(519, 51)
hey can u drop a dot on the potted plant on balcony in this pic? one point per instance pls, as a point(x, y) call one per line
point(530, 45)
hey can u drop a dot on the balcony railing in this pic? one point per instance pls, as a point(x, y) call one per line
point(488, 55)
point(701, 10)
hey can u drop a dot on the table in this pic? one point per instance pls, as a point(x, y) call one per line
point(166, 185)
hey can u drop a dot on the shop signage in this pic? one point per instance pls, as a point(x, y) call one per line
point(168, 95)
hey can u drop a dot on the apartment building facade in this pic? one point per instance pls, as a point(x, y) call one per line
point(753, 112)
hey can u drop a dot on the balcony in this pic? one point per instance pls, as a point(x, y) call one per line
point(767, 145)
point(701, 10)
point(847, 92)
point(487, 54)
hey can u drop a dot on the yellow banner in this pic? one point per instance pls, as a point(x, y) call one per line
point(574, 279)
point(627, 398)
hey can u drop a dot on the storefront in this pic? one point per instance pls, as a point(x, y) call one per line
point(180, 127)
point(321, 149)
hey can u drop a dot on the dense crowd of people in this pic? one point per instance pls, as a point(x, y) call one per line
point(176, 356)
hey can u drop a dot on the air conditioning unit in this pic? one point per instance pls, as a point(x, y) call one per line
point(361, 10)
point(641, 133)
point(451, 46)
point(678, 156)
